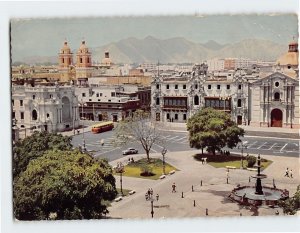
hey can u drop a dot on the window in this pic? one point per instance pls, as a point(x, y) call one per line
point(48, 115)
point(63, 60)
point(209, 87)
point(13, 102)
point(184, 86)
point(88, 60)
point(289, 67)
point(33, 97)
point(113, 94)
point(83, 94)
point(21, 102)
point(196, 86)
point(176, 86)
point(99, 100)
point(218, 87)
point(13, 115)
point(100, 94)
point(157, 101)
point(176, 116)
point(168, 116)
point(276, 84)
point(168, 86)
point(196, 100)
point(228, 87)
point(184, 117)
point(277, 96)
point(50, 96)
point(34, 115)
point(239, 103)
point(90, 99)
point(240, 86)
point(22, 115)
point(157, 86)
point(80, 60)
point(97, 95)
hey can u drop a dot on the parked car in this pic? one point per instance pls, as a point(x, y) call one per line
point(129, 151)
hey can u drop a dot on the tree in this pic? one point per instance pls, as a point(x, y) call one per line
point(213, 129)
point(35, 146)
point(66, 184)
point(291, 205)
point(138, 127)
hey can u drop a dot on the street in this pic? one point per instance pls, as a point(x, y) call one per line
point(178, 141)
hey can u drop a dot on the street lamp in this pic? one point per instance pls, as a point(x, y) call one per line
point(242, 147)
point(163, 152)
point(120, 169)
point(83, 139)
point(151, 199)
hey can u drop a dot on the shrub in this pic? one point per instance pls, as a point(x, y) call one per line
point(251, 160)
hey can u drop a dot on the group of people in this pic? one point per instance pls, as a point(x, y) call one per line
point(149, 194)
point(288, 173)
point(130, 160)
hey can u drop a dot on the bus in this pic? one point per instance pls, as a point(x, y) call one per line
point(102, 127)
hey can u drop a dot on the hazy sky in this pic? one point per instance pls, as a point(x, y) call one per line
point(44, 37)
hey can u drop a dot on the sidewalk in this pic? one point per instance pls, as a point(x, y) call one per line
point(250, 130)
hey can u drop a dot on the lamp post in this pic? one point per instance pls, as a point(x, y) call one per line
point(242, 147)
point(163, 152)
point(83, 139)
point(151, 199)
point(120, 169)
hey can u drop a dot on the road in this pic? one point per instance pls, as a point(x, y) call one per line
point(178, 141)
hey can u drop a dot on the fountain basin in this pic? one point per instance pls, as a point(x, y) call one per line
point(245, 195)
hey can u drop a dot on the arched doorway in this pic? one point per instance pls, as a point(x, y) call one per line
point(66, 113)
point(276, 118)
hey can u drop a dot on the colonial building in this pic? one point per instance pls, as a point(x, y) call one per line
point(44, 108)
point(251, 96)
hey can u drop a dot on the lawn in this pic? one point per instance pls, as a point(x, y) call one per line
point(155, 167)
point(233, 160)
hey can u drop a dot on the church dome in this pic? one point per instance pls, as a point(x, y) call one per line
point(65, 48)
point(291, 58)
point(83, 48)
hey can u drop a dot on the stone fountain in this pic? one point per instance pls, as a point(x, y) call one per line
point(258, 195)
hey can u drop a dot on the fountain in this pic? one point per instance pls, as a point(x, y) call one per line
point(258, 195)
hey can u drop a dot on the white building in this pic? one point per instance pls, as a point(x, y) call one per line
point(44, 108)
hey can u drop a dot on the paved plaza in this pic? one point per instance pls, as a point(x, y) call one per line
point(212, 195)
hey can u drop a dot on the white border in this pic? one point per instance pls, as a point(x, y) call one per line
point(109, 8)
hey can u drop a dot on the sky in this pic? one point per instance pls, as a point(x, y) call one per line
point(44, 37)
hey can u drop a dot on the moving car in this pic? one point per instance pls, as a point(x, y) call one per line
point(129, 151)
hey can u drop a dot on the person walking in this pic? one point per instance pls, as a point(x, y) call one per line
point(173, 188)
point(287, 172)
point(291, 173)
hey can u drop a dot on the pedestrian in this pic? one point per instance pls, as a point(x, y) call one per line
point(151, 192)
point(291, 173)
point(146, 196)
point(77, 131)
point(227, 173)
point(132, 160)
point(287, 172)
point(173, 188)
point(202, 160)
point(157, 197)
point(277, 212)
point(102, 142)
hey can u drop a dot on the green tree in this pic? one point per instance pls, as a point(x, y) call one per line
point(66, 184)
point(291, 205)
point(35, 146)
point(213, 129)
point(139, 128)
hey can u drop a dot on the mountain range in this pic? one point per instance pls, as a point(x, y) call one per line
point(177, 50)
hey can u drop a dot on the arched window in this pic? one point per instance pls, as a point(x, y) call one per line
point(276, 96)
point(157, 101)
point(34, 115)
point(239, 103)
point(196, 100)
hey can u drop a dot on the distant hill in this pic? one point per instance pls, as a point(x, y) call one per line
point(178, 50)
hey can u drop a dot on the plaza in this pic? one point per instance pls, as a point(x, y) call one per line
point(211, 199)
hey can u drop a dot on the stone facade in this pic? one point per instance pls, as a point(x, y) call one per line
point(44, 108)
